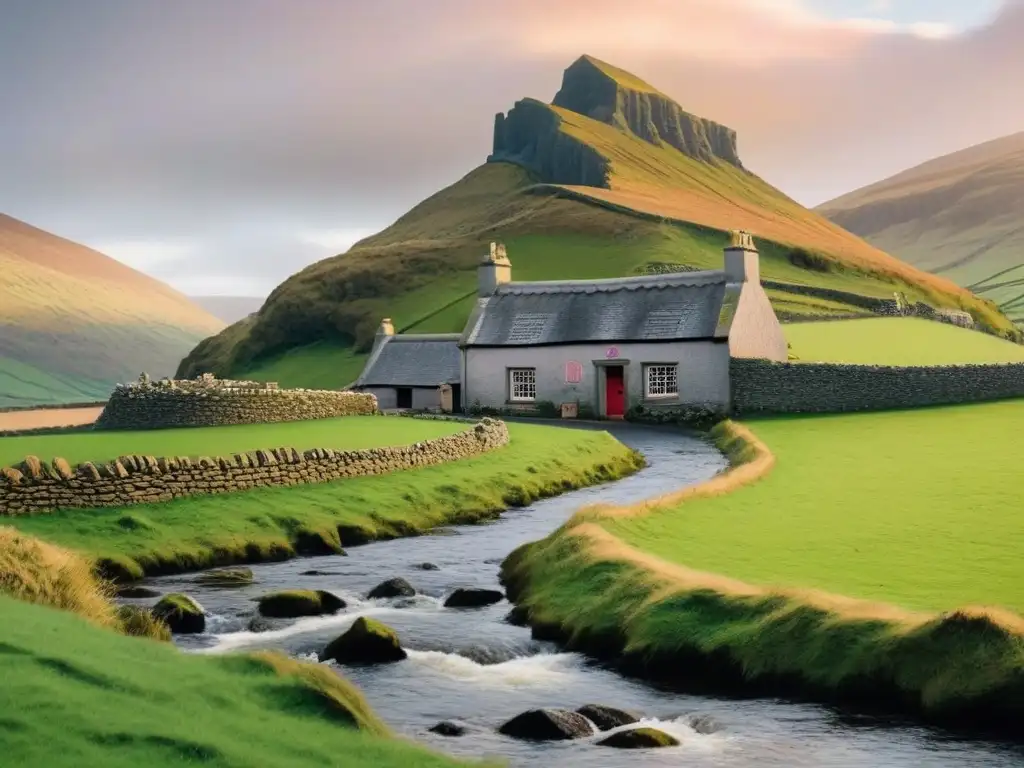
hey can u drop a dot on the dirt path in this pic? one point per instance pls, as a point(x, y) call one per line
point(48, 417)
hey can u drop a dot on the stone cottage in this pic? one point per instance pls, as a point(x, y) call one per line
point(604, 346)
point(413, 371)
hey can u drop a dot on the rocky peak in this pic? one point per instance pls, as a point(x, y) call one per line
point(611, 95)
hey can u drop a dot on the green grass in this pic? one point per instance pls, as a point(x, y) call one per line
point(323, 365)
point(344, 434)
point(22, 384)
point(897, 341)
point(75, 694)
point(920, 509)
point(261, 524)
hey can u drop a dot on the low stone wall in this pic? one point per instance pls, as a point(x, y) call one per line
point(34, 487)
point(764, 386)
point(207, 402)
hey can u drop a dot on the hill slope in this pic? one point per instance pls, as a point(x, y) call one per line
point(611, 179)
point(958, 216)
point(73, 321)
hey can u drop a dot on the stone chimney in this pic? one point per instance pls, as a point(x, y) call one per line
point(494, 270)
point(741, 259)
point(386, 329)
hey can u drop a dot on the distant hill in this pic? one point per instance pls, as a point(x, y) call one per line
point(73, 322)
point(230, 309)
point(960, 216)
point(610, 179)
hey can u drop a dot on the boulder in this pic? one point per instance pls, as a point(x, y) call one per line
point(473, 598)
point(448, 728)
point(607, 718)
point(258, 624)
point(547, 725)
point(134, 592)
point(366, 642)
point(181, 613)
point(392, 588)
point(640, 738)
point(225, 577)
point(704, 724)
point(293, 603)
point(428, 567)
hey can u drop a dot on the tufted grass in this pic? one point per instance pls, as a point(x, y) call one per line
point(75, 694)
point(347, 433)
point(275, 523)
point(897, 341)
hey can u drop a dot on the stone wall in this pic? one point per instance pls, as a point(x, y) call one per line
point(207, 401)
point(763, 386)
point(34, 487)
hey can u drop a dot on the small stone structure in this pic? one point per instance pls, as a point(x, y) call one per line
point(764, 386)
point(34, 487)
point(208, 401)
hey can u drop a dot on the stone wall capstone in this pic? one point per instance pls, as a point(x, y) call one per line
point(207, 402)
point(34, 487)
point(769, 387)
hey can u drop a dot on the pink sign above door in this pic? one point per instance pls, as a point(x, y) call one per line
point(573, 372)
point(611, 353)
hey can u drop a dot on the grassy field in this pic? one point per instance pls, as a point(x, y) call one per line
point(873, 559)
point(343, 434)
point(920, 509)
point(22, 384)
point(323, 365)
point(270, 523)
point(897, 341)
point(75, 694)
point(661, 206)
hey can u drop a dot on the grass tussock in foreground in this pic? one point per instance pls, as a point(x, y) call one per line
point(277, 523)
point(75, 694)
point(587, 587)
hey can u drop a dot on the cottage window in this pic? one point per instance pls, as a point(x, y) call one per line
point(662, 380)
point(522, 384)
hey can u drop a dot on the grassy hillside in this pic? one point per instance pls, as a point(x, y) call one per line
point(958, 216)
point(897, 341)
point(73, 321)
point(660, 209)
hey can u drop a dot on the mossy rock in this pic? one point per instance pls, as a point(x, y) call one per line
point(607, 718)
point(473, 598)
point(293, 603)
point(640, 738)
point(226, 577)
point(547, 725)
point(181, 613)
point(136, 592)
point(392, 588)
point(366, 642)
point(138, 622)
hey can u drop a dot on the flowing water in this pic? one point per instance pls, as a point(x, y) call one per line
point(471, 666)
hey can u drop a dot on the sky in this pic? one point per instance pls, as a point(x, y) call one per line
point(222, 145)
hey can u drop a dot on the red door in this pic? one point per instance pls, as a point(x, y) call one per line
point(615, 392)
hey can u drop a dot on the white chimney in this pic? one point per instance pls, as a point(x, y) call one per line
point(742, 263)
point(494, 270)
point(385, 330)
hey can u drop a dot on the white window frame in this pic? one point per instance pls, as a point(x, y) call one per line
point(665, 375)
point(522, 385)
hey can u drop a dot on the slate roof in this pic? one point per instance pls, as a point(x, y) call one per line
point(414, 360)
point(669, 307)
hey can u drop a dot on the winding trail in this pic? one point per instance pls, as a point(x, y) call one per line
point(472, 666)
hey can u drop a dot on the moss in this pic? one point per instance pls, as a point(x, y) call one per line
point(290, 604)
point(639, 738)
point(367, 642)
point(181, 613)
point(226, 577)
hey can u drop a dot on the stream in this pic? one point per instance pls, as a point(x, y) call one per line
point(472, 666)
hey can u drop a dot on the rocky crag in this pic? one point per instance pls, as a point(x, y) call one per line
point(530, 134)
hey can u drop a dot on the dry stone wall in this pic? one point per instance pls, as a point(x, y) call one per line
point(764, 386)
point(206, 402)
point(35, 487)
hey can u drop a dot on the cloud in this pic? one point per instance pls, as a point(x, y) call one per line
point(266, 134)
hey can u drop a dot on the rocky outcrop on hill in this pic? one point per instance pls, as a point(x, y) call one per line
point(530, 134)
